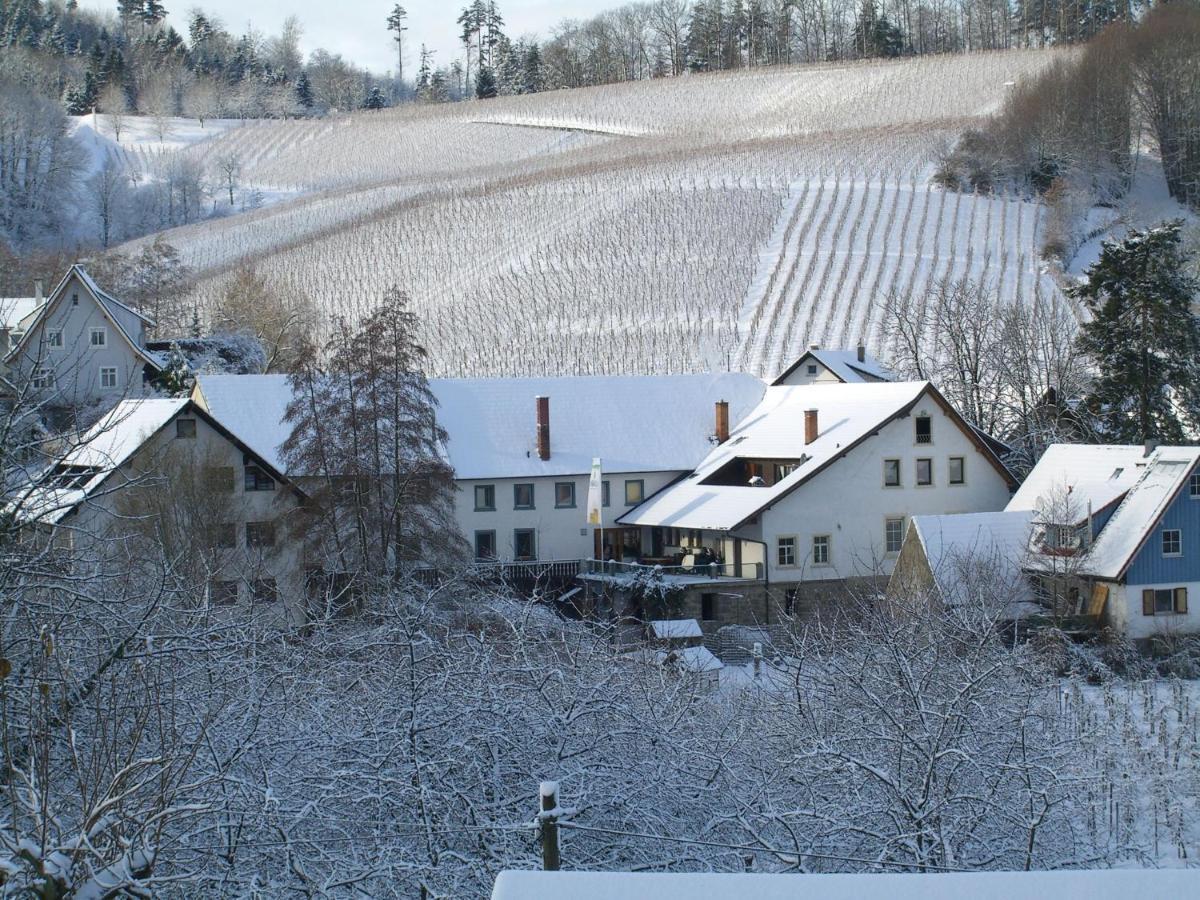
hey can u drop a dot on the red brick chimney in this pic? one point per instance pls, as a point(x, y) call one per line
point(543, 427)
point(722, 421)
point(810, 426)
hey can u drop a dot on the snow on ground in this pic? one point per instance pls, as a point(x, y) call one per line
point(1147, 203)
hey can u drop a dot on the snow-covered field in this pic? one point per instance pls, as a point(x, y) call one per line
point(664, 226)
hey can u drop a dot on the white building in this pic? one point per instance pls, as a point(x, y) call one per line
point(817, 366)
point(521, 498)
point(816, 488)
point(80, 346)
point(166, 470)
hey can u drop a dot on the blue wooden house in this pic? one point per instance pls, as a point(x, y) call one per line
point(1122, 544)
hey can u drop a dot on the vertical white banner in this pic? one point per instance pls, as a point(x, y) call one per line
point(595, 494)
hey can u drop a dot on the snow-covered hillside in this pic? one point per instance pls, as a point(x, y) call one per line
point(663, 226)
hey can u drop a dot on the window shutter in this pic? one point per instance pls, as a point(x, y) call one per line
point(1181, 600)
point(1147, 603)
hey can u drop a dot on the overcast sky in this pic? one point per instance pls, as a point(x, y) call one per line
point(358, 29)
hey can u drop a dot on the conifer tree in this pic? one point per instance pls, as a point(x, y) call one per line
point(395, 22)
point(485, 83)
point(374, 99)
point(364, 428)
point(1143, 339)
point(304, 93)
point(532, 76)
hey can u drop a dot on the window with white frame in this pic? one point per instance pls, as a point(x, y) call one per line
point(785, 550)
point(43, 378)
point(108, 377)
point(99, 337)
point(1194, 486)
point(54, 338)
point(1172, 542)
point(820, 550)
point(893, 534)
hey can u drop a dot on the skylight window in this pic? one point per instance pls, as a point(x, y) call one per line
point(67, 476)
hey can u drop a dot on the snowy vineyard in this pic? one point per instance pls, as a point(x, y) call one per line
point(617, 229)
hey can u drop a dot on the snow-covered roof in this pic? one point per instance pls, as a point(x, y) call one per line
point(634, 424)
point(844, 364)
point(1076, 884)
point(976, 550)
point(1164, 475)
point(14, 309)
point(693, 660)
point(100, 450)
point(674, 629)
point(1095, 473)
point(650, 423)
point(846, 414)
point(104, 448)
point(252, 407)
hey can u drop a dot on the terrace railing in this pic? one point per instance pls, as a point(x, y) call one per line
point(740, 571)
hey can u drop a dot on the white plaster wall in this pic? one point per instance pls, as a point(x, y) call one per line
point(561, 533)
point(849, 503)
point(1125, 611)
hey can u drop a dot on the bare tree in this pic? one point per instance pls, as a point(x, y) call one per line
point(115, 106)
point(281, 323)
point(230, 167)
point(109, 192)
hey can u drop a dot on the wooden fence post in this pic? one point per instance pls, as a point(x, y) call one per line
point(548, 792)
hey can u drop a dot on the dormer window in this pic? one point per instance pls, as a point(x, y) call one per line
point(924, 429)
point(1061, 540)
